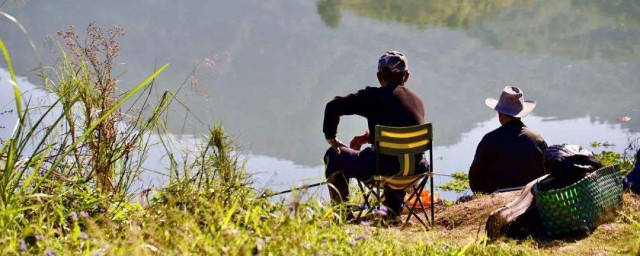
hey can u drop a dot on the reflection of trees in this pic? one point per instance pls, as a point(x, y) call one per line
point(580, 29)
point(421, 13)
point(329, 12)
point(625, 12)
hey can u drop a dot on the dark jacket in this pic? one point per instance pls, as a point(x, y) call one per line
point(632, 180)
point(392, 105)
point(509, 156)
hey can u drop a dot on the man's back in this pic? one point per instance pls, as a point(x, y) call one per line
point(396, 106)
point(509, 156)
point(393, 105)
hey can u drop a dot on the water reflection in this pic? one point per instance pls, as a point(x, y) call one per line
point(329, 11)
point(421, 14)
point(581, 29)
point(274, 64)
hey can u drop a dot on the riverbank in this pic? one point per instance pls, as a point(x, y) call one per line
point(67, 169)
point(465, 223)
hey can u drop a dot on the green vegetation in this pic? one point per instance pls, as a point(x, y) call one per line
point(610, 157)
point(459, 183)
point(67, 170)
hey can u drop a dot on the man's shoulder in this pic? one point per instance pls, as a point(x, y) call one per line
point(492, 134)
point(531, 134)
point(496, 134)
point(369, 91)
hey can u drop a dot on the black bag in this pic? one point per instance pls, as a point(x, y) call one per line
point(632, 181)
point(567, 164)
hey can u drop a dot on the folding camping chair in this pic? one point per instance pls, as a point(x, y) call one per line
point(404, 143)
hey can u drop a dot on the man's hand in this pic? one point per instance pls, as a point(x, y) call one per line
point(357, 141)
point(336, 144)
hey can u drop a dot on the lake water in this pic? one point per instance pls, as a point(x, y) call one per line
point(265, 69)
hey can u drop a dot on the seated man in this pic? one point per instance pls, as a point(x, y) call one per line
point(391, 104)
point(512, 155)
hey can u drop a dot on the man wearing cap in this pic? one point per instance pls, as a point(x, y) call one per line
point(512, 155)
point(391, 104)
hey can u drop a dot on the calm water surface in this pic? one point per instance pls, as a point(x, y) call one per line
point(265, 69)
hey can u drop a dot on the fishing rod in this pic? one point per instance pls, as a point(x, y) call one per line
point(308, 186)
point(445, 175)
point(303, 187)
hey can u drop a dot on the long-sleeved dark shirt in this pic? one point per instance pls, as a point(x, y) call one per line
point(392, 105)
point(509, 156)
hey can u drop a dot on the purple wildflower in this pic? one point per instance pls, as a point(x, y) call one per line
point(380, 212)
point(365, 223)
point(353, 241)
point(39, 236)
point(23, 245)
point(73, 216)
point(83, 235)
point(49, 252)
point(84, 214)
point(98, 253)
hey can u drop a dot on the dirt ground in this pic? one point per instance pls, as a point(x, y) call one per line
point(464, 223)
point(472, 213)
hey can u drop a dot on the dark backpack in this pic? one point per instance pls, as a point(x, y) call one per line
point(632, 181)
point(568, 164)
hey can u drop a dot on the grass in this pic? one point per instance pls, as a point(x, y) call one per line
point(66, 174)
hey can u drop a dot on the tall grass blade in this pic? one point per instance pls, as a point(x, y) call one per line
point(12, 143)
point(35, 152)
point(14, 81)
point(464, 249)
point(26, 33)
point(31, 132)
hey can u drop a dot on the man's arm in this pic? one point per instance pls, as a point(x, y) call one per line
point(357, 141)
point(478, 180)
point(351, 104)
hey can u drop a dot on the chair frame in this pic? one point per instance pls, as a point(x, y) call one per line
point(404, 143)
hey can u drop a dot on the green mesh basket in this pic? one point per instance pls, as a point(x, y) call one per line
point(581, 206)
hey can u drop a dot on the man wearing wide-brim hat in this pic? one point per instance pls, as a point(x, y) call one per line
point(512, 155)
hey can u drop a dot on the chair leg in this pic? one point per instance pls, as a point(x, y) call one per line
point(365, 196)
point(417, 191)
point(409, 200)
point(376, 192)
point(424, 210)
point(433, 203)
point(412, 211)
